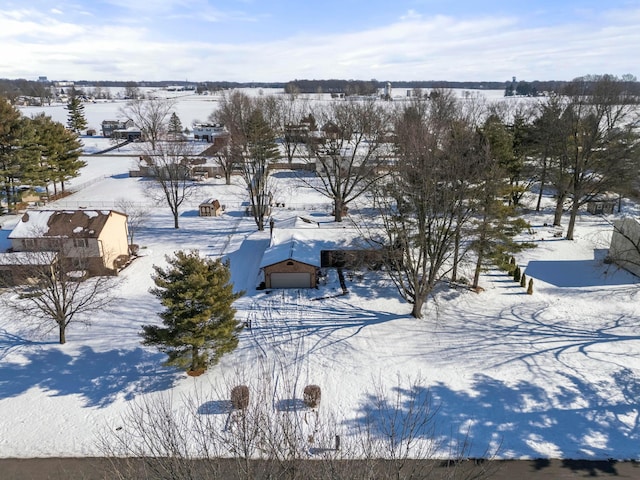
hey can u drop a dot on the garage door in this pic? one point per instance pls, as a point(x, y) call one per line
point(290, 280)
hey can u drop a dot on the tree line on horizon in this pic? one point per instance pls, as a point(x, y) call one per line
point(14, 88)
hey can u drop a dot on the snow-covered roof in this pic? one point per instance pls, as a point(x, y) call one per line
point(302, 239)
point(61, 223)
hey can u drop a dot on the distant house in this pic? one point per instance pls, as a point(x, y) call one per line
point(131, 134)
point(625, 244)
point(208, 131)
point(210, 208)
point(109, 126)
point(93, 241)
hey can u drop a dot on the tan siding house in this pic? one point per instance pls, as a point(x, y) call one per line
point(92, 240)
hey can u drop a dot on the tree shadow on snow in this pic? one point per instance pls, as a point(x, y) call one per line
point(519, 419)
point(215, 407)
point(99, 378)
point(579, 273)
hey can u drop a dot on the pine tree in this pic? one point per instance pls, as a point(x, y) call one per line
point(530, 287)
point(199, 320)
point(523, 280)
point(60, 152)
point(174, 127)
point(76, 121)
point(18, 150)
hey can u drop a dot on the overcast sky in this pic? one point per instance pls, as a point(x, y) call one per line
point(281, 40)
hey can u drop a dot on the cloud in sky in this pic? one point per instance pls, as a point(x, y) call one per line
point(245, 40)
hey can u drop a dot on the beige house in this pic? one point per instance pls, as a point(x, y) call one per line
point(93, 241)
point(625, 245)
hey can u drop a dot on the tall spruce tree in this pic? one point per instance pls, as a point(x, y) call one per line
point(17, 142)
point(174, 129)
point(199, 320)
point(76, 121)
point(60, 152)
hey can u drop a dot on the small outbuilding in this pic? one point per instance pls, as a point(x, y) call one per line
point(603, 204)
point(210, 208)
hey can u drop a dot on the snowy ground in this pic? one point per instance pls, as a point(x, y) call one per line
point(553, 374)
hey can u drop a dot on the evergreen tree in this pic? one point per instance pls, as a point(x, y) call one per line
point(76, 121)
point(530, 287)
point(60, 152)
point(199, 320)
point(17, 150)
point(175, 127)
point(523, 280)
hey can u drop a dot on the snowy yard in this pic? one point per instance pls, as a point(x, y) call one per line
point(553, 374)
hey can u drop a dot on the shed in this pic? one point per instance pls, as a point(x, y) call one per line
point(603, 204)
point(210, 208)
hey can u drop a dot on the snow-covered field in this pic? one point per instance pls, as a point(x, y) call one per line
point(553, 374)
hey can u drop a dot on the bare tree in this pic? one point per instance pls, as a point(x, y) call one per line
point(57, 292)
point(424, 204)
point(602, 144)
point(137, 215)
point(285, 115)
point(171, 181)
point(273, 435)
point(151, 116)
point(261, 151)
point(354, 153)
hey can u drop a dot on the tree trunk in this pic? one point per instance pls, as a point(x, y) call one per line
point(557, 218)
point(62, 334)
point(572, 220)
point(337, 206)
point(175, 220)
point(476, 274)
point(456, 254)
point(543, 179)
point(194, 358)
point(416, 312)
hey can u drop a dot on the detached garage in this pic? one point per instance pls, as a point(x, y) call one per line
point(290, 265)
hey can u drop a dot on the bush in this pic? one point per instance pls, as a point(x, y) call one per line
point(240, 397)
point(523, 281)
point(530, 288)
point(516, 275)
point(312, 396)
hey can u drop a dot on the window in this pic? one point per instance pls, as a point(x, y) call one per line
point(80, 242)
point(29, 243)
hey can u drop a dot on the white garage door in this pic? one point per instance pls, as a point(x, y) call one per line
point(290, 280)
